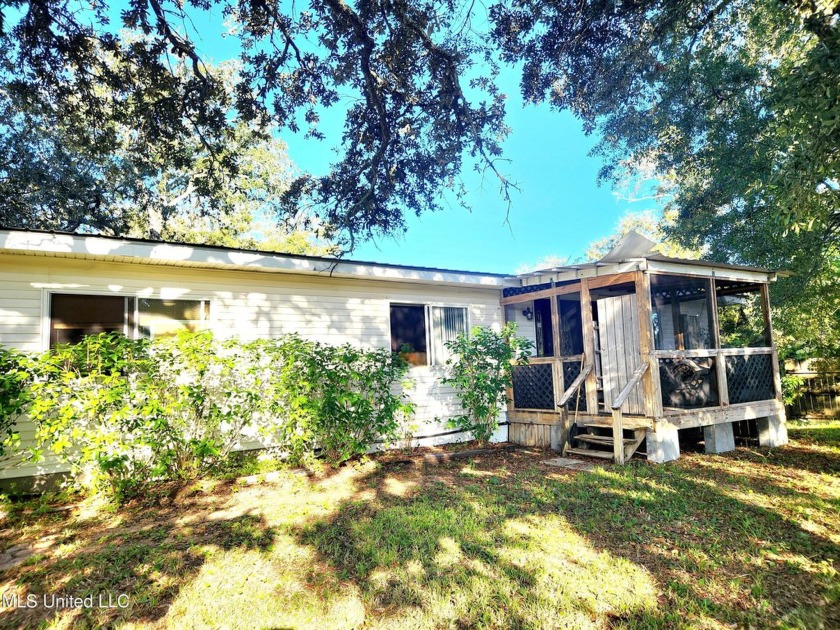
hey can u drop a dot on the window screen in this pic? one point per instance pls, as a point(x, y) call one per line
point(447, 323)
point(74, 316)
point(408, 333)
point(160, 318)
point(741, 315)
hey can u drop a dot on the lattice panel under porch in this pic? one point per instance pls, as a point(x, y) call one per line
point(750, 378)
point(533, 386)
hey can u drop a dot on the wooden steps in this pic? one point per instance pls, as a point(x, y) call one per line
point(605, 422)
point(589, 452)
point(598, 441)
point(601, 440)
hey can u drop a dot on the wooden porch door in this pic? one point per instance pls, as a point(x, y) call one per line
point(618, 327)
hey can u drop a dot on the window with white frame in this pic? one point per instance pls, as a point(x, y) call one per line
point(419, 332)
point(161, 318)
point(73, 316)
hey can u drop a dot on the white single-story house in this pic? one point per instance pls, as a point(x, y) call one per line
point(634, 347)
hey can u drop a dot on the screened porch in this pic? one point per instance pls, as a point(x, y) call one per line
point(637, 345)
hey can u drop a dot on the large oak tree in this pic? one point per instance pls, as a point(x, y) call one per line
point(398, 68)
point(733, 105)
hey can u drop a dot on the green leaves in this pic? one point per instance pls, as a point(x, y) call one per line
point(15, 379)
point(481, 370)
point(132, 83)
point(125, 412)
point(732, 108)
point(352, 399)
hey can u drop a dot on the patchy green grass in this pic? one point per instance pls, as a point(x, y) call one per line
point(747, 539)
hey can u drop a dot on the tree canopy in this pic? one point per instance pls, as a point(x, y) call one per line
point(53, 175)
point(732, 105)
point(399, 68)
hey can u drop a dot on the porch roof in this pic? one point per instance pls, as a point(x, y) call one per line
point(634, 252)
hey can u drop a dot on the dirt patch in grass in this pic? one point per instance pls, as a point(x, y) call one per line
point(747, 539)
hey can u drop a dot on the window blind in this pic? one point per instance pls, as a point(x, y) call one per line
point(447, 323)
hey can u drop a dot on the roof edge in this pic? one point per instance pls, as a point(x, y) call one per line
point(97, 246)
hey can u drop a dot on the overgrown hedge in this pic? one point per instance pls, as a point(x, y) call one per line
point(122, 412)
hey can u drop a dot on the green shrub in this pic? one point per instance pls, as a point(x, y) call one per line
point(481, 370)
point(91, 408)
point(15, 380)
point(123, 412)
point(352, 402)
point(792, 385)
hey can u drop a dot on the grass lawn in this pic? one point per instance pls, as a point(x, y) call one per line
point(748, 539)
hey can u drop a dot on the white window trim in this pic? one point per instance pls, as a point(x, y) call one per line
point(427, 306)
point(46, 304)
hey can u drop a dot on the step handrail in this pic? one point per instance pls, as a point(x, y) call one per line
point(634, 380)
point(567, 395)
point(618, 416)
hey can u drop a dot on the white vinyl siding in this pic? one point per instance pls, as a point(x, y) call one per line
point(246, 304)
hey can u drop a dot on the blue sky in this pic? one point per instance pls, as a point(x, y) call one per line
point(558, 211)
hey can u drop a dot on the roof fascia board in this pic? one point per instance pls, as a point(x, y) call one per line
point(592, 270)
point(126, 250)
point(706, 271)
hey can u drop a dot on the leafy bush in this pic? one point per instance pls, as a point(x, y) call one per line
point(353, 402)
point(481, 370)
point(15, 379)
point(792, 388)
point(123, 412)
point(91, 408)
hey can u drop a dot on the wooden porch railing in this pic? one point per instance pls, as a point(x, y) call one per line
point(574, 387)
point(617, 415)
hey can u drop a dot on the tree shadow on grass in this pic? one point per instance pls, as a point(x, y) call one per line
point(496, 542)
point(452, 552)
point(720, 548)
point(537, 549)
point(149, 560)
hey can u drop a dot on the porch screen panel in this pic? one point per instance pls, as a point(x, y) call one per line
point(571, 325)
point(682, 313)
point(533, 386)
point(689, 383)
point(741, 315)
point(447, 323)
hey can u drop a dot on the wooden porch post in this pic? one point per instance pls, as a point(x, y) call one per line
point(557, 364)
point(650, 381)
point(765, 303)
point(720, 360)
point(589, 347)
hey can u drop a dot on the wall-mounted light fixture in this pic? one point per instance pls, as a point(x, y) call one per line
point(528, 313)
